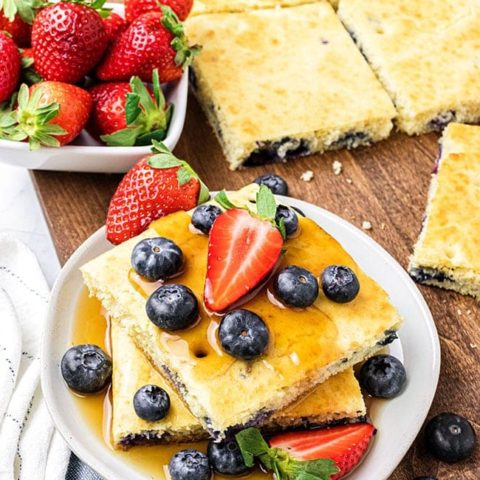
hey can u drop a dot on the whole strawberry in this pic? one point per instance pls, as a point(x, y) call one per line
point(68, 40)
point(114, 25)
point(126, 114)
point(20, 31)
point(135, 8)
point(51, 113)
point(154, 40)
point(9, 67)
point(156, 186)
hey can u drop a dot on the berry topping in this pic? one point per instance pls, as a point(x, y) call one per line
point(450, 437)
point(382, 376)
point(289, 219)
point(340, 284)
point(151, 403)
point(189, 464)
point(204, 216)
point(296, 287)
point(156, 258)
point(172, 307)
point(243, 334)
point(226, 457)
point(86, 368)
point(243, 249)
point(275, 183)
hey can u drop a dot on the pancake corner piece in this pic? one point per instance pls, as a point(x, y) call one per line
point(271, 94)
point(423, 53)
point(446, 253)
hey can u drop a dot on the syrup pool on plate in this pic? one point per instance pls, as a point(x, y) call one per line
point(91, 326)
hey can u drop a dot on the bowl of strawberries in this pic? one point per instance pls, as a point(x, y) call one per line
point(87, 86)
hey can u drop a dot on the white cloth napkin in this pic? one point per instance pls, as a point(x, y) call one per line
point(30, 448)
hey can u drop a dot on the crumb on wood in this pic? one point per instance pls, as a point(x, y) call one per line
point(337, 167)
point(306, 176)
point(366, 225)
point(349, 181)
point(382, 226)
point(473, 345)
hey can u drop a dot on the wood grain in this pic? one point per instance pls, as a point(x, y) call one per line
point(386, 184)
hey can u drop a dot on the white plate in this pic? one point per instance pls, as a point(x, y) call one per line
point(398, 420)
point(88, 155)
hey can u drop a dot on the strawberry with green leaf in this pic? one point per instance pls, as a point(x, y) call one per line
point(154, 40)
point(280, 462)
point(129, 113)
point(50, 114)
point(16, 17)
point(243, 249)
point(28, 73)
point(156, 186)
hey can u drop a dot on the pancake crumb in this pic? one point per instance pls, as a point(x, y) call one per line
point(307, 176)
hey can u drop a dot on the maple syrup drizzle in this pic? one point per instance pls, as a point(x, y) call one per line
point(91, 326)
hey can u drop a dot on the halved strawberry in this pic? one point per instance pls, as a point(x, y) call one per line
point(242, 250)
point(345, 444)
point(154, 187)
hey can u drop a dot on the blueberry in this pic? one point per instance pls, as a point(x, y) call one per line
point(156, 258)
point(151, 403)
point(86, 368)
point(189, 464)
point(450, 437)
point(226, 458)
point(296, 287)
point(275, 183)
point(340, 284)
point(204, 216)
point(243, 334)
point(382, 376)
point(290, 219)
point(172, 307)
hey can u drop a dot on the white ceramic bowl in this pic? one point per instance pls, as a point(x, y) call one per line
point(88, 155)
point(398, 420)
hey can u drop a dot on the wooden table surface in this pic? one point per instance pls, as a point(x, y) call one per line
point(385, 184)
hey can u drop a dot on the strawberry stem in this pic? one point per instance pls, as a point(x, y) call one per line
point(164, 158)
point(146, 117)
point(32, 120)
point(185, 53)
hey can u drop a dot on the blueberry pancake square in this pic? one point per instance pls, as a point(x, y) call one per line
point(271, 93)
point(426, 54)
point(305, 347)
point(338, 400)
point(446, 253)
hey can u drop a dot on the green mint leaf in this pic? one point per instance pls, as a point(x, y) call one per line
point(222, 199)
point(266, 204)
point(321, 469)
point(250, 441)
